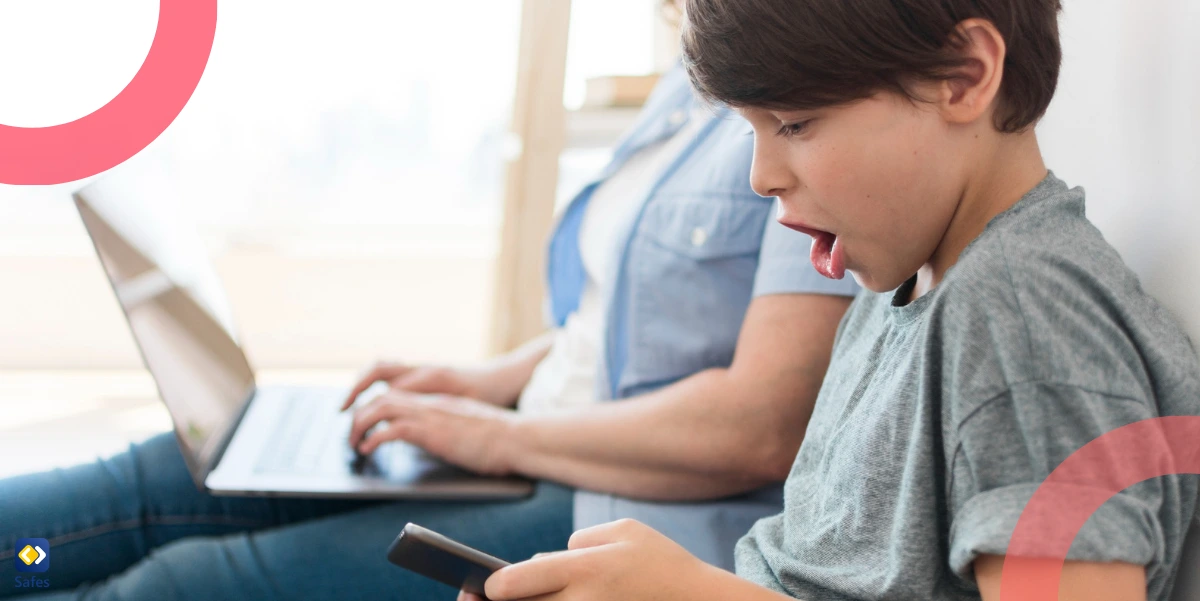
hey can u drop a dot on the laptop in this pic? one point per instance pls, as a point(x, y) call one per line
point(239, 438)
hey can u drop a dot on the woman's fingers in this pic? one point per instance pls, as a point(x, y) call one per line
point(427, 380)
point(365, 418)
point(384, 407)
point(397, 430)
point(380, 372)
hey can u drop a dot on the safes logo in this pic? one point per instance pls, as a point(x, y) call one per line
point(33, 555)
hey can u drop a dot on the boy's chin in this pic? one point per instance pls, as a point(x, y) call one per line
point(875, 283)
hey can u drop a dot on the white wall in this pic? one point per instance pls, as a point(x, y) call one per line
point(1125, 125)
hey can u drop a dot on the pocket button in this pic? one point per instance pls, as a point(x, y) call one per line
point(699, 237)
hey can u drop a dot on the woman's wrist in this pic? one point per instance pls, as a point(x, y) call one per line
point(514, 444)
point(502, 378)
point(497, 382)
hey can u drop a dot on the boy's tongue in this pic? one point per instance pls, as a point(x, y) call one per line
point(827, 255)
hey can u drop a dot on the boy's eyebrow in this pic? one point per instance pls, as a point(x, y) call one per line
point(785, 115)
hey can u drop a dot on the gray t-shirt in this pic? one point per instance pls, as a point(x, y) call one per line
point(938, 419)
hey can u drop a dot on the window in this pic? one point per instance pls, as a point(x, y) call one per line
point(344, 163)
point(646, 46)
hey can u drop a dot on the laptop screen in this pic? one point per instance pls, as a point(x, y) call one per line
point(176, 308)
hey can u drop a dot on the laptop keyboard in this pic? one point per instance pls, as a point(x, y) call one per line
point(303, 438)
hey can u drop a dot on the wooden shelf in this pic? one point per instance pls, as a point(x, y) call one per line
point(598, 128)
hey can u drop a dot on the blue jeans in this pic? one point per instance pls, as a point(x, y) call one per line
point(134, 527)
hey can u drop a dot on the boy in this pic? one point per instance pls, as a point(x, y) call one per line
point(1001, 335)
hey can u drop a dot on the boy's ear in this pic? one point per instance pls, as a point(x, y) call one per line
point(970, 90)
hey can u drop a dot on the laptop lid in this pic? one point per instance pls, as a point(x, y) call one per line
point(176, 310)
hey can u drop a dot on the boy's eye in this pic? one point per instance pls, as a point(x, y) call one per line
point(793, 129)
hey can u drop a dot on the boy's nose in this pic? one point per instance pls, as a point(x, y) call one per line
point(767, 180)
point(769, 176)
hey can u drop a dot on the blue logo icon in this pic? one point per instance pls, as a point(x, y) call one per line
point(33, 555)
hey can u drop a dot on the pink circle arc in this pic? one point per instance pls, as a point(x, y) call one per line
point(128, 123)
point(1079, 486)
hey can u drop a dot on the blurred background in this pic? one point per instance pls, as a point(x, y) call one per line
point(348, 166)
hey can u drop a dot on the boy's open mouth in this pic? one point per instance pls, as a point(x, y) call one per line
point(827, 255)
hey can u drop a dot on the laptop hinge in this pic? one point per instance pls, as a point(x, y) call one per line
point(226, 438)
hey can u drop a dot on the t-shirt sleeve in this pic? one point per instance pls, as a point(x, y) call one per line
point(1010, 444)
point(784, 266)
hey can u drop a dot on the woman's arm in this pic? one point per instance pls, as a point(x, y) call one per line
point(720, 431)
point(717, 433)
point(510, 372)
point(655, 484)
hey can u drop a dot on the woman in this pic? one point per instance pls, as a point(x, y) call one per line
point(671, 289)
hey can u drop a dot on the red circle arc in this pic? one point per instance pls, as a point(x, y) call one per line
point(1079, 486)
point(128, 123)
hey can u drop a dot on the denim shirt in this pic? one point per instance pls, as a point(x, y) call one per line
point(702, 246)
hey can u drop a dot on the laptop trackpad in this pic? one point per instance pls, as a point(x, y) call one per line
point(404, 462)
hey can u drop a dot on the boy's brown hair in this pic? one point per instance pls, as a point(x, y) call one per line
point(806, 54)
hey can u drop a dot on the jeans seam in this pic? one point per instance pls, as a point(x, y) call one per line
point(276, 589)
point(167, 520)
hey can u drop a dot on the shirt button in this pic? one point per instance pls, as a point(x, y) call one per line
point(676, 118)
point(699, 237)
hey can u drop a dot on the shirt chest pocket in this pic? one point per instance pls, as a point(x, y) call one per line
point(706, 227)
point(689, 278)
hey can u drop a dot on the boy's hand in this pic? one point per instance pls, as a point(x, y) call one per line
point(620, 560)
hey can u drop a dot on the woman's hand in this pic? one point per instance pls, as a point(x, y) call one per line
point(465, 432)
point(466, 382)
point(497, 381)
point(618, 561)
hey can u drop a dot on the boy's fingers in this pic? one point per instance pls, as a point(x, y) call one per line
point(529, 579)
point(604, 534)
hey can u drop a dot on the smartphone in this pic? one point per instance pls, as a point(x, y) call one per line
point(447, 561)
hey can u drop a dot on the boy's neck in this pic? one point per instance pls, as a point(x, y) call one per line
point(1004, 176)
